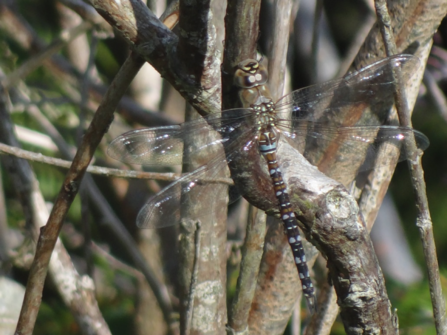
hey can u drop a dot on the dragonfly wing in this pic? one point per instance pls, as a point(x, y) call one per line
point(395, 137)
point(351, 150)
point(342, 101)
point(164, 146)
point(164, 208)
point(151, 146)
point(329, 124)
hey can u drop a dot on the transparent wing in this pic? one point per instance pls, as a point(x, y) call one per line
point(164, 208)
point(349, 150)
point(326, 122)
point(164, 146)
point(329, 123)
point(337, 100)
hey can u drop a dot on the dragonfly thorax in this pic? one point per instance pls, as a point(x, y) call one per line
point(265, 114)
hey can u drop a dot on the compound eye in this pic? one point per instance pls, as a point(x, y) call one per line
point(250, 74)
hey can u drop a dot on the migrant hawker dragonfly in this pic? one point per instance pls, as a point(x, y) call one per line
point(328, 115)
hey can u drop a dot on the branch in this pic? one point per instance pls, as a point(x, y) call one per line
point(424, 221)
point(50, 232)
point(150, 39)
point(21, 33)
point(33, 63)
point(100, 170)
point(76, 291)
point(252, 252)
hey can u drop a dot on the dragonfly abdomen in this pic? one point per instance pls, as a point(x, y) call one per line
point(267, 147)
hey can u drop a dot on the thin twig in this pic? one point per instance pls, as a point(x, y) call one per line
point(315, 40)
point(424, 221)
point(36, 61)
point(100, 170)
point(321, 323)
point(436, 94)
point(78, 295)
point(34, 138)
point(277, 55)
point(37, 157)
point(47, 240)
point(194, 279)
point(115, 262)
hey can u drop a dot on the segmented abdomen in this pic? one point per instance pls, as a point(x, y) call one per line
point(267, 147)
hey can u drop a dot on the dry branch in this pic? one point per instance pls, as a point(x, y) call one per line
point(100, 170)
point(50, 232)
point(424, 221)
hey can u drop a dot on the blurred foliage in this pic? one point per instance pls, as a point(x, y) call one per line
point(53, 319)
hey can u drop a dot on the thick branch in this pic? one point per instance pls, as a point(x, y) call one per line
point(158, 45)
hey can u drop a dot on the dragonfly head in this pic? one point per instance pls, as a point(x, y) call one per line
point(250, 73)
point(251, 77)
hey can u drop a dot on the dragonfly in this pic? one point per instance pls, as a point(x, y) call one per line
point(325, 122)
